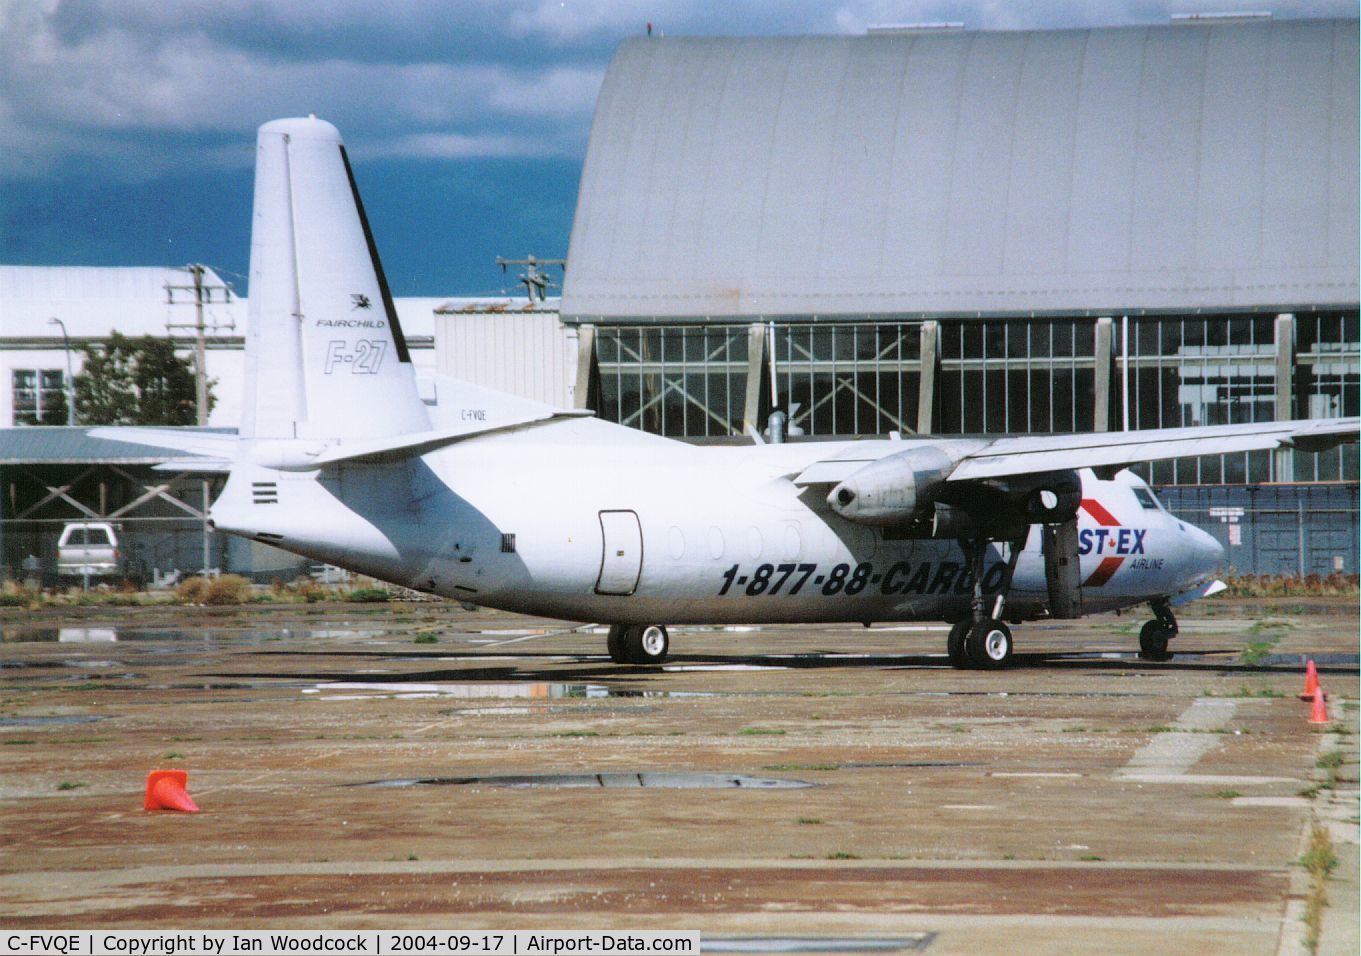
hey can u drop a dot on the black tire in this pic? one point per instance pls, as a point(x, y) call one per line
point(954, 644)
point(617, 644)
point(988, 644)
point(1153, 638)
point(646, 644)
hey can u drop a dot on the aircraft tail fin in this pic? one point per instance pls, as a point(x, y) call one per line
point(325, 356)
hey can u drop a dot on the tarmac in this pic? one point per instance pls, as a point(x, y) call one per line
point(823, 788)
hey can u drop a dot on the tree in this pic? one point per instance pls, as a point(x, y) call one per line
point(136, 382)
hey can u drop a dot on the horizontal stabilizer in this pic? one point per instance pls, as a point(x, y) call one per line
point(400, 447)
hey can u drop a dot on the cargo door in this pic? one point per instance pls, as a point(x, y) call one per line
point(622, 559)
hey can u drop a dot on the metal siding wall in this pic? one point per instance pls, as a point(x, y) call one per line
point(526, 355)
point(1285, 529)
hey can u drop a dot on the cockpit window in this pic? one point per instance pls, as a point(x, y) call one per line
point(1145, 498)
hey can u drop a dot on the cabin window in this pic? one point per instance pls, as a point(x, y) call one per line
point(1145, 499)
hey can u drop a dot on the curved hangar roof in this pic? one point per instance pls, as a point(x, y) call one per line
point(1177, 167)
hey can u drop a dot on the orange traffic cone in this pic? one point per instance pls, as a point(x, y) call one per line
point(165, 790)
point(1319, 714)
point(1310, 680)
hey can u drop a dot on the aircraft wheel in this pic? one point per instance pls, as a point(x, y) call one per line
point(988, 644)
point(647, 644)
point(616, 643)
point(1153, 638)
point(954, 644)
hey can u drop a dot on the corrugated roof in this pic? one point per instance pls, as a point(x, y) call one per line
point(43, 445)
point(93, 301)
point(1175, 167)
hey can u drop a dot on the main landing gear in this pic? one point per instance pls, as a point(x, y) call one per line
point(1156, 633)
point(983, 639)
point(638, 643)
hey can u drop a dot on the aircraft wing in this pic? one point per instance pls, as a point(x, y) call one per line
point(1044, 453)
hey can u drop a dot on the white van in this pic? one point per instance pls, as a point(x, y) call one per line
point(87, 549)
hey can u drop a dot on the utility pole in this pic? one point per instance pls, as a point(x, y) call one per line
point(203, 295)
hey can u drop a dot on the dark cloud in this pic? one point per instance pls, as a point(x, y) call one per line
point(127, 126)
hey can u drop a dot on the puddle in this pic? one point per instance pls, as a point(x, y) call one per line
point(46, 721)
point(721, 667)
point(22, 634)
point(607, 781)
point(915, 765)
point(337, 690)
point(1322, 660)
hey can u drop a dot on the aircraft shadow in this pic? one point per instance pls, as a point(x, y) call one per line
point(549, 667)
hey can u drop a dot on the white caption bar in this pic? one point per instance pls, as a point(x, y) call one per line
point(309, 942)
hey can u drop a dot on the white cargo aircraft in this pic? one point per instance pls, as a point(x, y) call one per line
point(499, 501)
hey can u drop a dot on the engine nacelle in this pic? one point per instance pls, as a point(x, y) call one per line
point(892, 490)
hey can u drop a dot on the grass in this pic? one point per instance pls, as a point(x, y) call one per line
point(1282, 585)
point(809, 821)
point(1227, 794)
point(426, 637)
point(1249, 693)
point(842, 855)
point(368, 596)
point(1319, 860)
point(760, 732)
point(800, 766)
point(172, 755)
point(70, 785)
point(1256, 652)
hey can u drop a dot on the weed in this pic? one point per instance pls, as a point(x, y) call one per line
point(19, 743)
point(1091, 858)
point(1227, 794)
point(760, 732)
point(426, 637)
point(368, 596)
point(171, 755)
point(809, 821)
point(1310, 585)
point(842, 855)
point(1256, 652)
point(70, 785)
point(576, 733)
point(801, 766)
point(1319, 860)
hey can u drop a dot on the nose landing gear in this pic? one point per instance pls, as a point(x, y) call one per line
point(1155, 634)
point(637, 643)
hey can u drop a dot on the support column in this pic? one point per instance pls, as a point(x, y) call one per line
point(587, 391)
point(1283, 459)
point(756, 380)
point(1103, 363)
point(930, 371)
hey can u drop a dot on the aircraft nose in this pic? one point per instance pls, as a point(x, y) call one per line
point(1209, 553)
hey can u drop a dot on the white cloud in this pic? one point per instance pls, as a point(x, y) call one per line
point(145, 85)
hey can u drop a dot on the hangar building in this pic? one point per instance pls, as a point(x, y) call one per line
point(978, 232)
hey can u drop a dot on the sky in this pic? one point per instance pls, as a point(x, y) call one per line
point(127, 127)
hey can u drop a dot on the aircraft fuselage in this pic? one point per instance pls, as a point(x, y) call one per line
point(561, 522)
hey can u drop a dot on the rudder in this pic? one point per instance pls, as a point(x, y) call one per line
point(326, 358)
